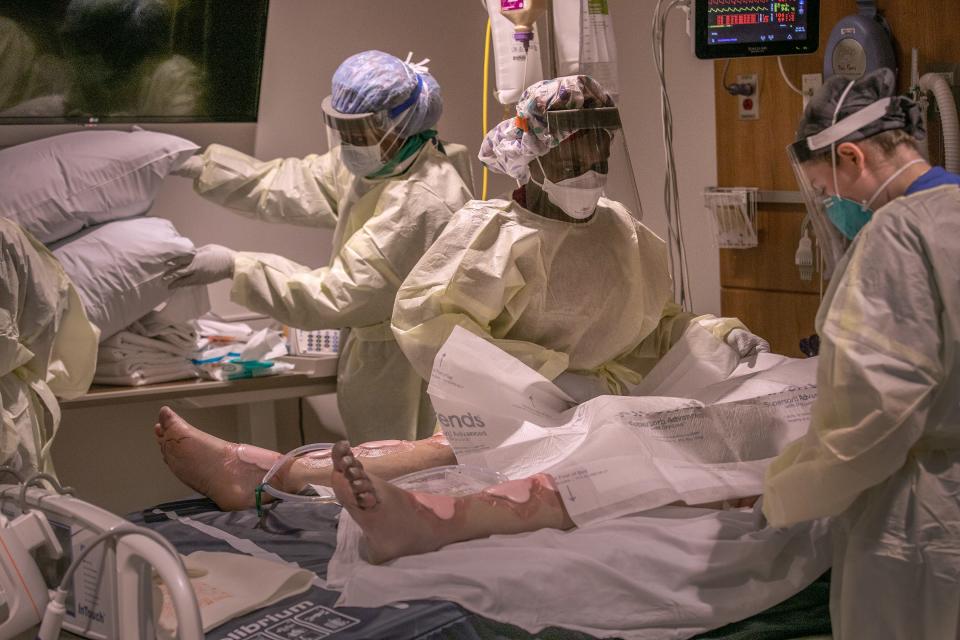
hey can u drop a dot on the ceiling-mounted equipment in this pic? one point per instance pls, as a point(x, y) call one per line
point(859, 44)
point(738, 28)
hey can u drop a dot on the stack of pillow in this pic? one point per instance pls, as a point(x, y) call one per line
point(85, 194)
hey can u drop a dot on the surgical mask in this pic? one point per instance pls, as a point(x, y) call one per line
point(361, 160)
point(850, 216)
point(577, 197)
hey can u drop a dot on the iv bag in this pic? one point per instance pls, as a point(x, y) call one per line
point(566, 29)
point(584, 41)
point(516, 69)
point(598, 50)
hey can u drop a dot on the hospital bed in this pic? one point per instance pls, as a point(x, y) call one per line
point(306, 534)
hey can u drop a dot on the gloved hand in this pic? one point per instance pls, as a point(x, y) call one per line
point(747, 344)
point(212, 263)
point(192, 168)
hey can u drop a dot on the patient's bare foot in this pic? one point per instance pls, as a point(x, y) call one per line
point(394, 522)
point(226, 472)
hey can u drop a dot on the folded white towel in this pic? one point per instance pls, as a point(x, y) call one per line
point(129, 368)
point(127, 340)
point(111, 355)
point(139, 378)
point(181, 336)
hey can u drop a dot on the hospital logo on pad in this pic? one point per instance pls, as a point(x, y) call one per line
point(467, 420)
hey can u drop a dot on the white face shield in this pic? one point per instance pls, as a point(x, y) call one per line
point(368, 142)
point(590, 164)
point(814, 162)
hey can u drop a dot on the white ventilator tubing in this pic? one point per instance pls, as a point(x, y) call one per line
point(949, 121)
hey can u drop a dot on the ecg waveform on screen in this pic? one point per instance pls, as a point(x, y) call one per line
point(729, 13)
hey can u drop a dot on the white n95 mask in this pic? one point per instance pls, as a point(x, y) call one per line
point(576, 196)
point(361, 160)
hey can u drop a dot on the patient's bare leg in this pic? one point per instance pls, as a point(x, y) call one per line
point(228, 473)
point(398, 523)
point(225, 472)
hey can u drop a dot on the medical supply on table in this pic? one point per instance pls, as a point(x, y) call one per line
point(253, 359)
point(159, 347)
point(98, 567)
point(306, 343)
point(517, 64)
point(132, 359)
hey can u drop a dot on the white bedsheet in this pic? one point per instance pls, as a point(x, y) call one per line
point(669, 573)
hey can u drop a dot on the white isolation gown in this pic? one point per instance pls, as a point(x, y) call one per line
point(883, 450)
point(48, 348)
point(591, 298)
point(382, 227)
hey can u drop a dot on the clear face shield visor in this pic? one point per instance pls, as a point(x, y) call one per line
point(814, 163)
point(368, 142)
point(593, 158)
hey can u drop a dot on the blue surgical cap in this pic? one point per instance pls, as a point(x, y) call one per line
point(374, 81)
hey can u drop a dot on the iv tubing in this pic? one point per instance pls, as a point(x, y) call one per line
point(486, 100)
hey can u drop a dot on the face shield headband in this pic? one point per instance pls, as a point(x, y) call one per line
point(361, 136)
point(820, 205)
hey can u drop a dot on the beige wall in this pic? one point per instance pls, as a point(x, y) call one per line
point(306, 40)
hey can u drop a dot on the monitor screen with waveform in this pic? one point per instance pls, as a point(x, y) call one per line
point(756, 22)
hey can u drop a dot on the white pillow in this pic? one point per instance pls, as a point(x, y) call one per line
point(117, 268)
point(56, 186)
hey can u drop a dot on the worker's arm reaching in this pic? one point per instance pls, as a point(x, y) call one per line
point(302, 191)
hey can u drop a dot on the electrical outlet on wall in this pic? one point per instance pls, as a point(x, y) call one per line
point(810, 82)
point(749, 103)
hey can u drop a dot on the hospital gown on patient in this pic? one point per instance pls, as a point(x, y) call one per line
point(48, 348)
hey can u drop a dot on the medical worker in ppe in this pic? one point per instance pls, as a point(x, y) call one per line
point(48, 349)
point(571, 284)
point(388, 189)
point(560, 276)
point(883, 451)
